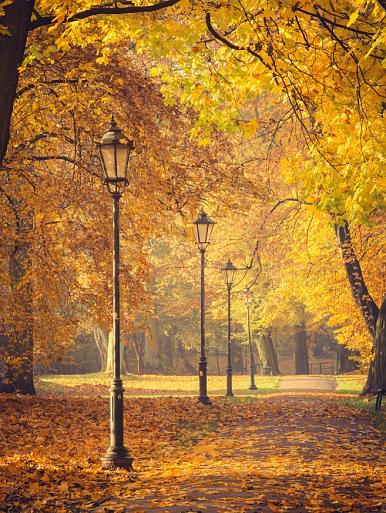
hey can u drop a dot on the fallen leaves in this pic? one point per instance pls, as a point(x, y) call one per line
point(288, 453)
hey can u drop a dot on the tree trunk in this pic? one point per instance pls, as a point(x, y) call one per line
point(101, 337)
point(345, 359)
point(138, 341)
point(166, 351)
point(110, 354)
point(18, 340)
point(18, 351)
point(366, 304)
point(301, 350)
point(218, 363)
point(267, 353)
point(185, 360)
point(354, 273)
point(376, 378)
point(16, 19)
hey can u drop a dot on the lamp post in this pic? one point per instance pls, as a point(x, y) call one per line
point(114, 157)
point(252, 369)
point(203, 227)
point(229, 273)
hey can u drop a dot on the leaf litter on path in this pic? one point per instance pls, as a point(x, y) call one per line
point(290, 453)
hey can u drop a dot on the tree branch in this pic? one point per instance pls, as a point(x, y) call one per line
point(53, 157)
point(94, 11)
point(231, 45)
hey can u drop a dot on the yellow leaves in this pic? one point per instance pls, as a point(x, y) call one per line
point(353, 18)
point(63, 488)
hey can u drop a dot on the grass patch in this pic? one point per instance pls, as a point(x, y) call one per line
point(152, 385)
point(350, 383)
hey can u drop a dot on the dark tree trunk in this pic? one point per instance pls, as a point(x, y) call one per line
point(345, 359)
point(17, 19)
point(301, 350)
point(138, 340)
point(218, 363)
point(18, 351)
point(267, 352)
point(354, 273)
point(380, 350)
point(367, 306)
point(376, 377)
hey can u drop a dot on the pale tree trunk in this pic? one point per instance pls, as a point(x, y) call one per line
point(138, 341)
point(267, 352)
point(110, 354)
point(105, 344)
point(367, 306)
point(101, 337)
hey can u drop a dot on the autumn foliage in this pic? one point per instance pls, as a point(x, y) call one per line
point(280, 454)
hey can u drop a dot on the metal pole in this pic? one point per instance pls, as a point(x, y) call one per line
point(202, 365)
point(252, 386)
point(229, 367)
point(116, 455)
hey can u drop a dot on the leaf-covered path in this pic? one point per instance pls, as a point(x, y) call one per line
point(307, 383)
point(283, 453)
point(306, 453)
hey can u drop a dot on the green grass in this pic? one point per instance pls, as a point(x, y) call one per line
point(350, 383)
point(155, 385)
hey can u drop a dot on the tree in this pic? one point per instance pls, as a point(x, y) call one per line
point(332, 82)
point(18, 19)
point(53, 179)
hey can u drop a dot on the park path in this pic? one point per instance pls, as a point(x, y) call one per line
point(306, 384)
point(298, 453)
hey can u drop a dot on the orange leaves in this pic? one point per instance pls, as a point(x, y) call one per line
point(280, 454)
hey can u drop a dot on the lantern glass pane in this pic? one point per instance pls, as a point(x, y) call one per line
point(202, 233)
point(108, 160)
point(122, 160)
point(231, 276)
point(209, 233)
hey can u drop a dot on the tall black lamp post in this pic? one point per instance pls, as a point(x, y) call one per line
point(229, 273)
point(203, 227)
point(252, 369)
point(114, 156)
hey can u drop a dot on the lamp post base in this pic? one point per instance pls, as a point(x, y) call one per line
point(252, 387)
point(204, 400)
point(203, 375)
point(229, 392)
point(117, 457)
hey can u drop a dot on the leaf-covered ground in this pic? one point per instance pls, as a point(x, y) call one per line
point(280, 453)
